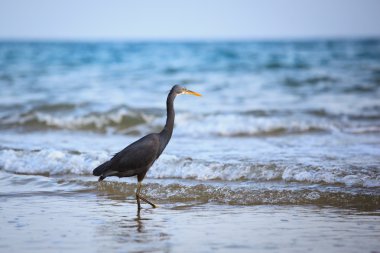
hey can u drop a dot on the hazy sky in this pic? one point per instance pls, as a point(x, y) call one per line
point(191, 19)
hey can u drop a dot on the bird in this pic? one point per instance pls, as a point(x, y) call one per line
point(137, 158)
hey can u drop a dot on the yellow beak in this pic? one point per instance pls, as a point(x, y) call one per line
point(192, 93)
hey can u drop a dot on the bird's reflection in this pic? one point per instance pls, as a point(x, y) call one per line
point(123, 223)
point(139, 221)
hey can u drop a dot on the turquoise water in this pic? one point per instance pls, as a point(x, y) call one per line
point(295, 117)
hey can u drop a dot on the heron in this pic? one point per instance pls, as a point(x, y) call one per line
point(137, 158)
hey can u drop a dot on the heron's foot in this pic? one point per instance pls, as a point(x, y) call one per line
point(146, 201)
point(138, 197)
point(154, 205)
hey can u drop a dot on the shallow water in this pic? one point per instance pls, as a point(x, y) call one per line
point(86, 222)
point(282, 127)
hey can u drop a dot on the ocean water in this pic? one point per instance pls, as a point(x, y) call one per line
point(293, 123)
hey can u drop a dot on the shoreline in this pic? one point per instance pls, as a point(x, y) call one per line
point(88, 221)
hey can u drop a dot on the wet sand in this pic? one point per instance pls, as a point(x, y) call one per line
point(88, 221)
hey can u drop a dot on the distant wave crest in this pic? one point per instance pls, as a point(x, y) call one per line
point(51, 117)
point(126, 120)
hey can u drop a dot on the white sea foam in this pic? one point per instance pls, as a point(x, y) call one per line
point(57, 162)
point(52, 162)
point(364, 129)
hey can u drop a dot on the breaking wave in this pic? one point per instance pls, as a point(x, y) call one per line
point(138, 121)
point(246, 195)
point(196, 192)
point(132, 121)
point(53, 117)
point(239, 125)
point(55, 162)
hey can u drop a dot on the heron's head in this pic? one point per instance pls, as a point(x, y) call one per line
point(178, 90)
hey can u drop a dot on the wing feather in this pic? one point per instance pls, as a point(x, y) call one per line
point(138, 155)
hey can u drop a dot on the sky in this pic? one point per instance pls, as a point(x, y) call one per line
point(187, 20)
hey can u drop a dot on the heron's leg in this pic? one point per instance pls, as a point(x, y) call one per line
point(138, 196)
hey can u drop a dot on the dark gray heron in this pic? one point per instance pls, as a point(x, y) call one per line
point(138, 157)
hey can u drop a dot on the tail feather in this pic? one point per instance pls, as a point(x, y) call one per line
point(98, 171)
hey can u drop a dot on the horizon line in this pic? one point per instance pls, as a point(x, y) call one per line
point(188, 39)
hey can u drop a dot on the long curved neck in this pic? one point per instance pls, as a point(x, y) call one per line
point(166, 133)
point(170, 114)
